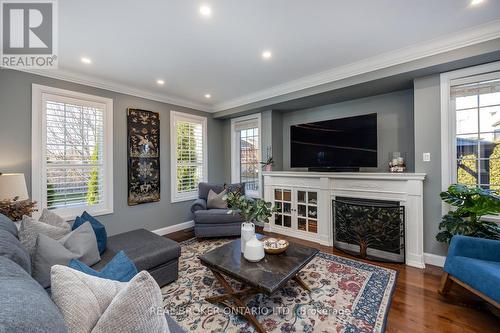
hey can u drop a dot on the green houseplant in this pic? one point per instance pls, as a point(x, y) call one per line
point(251, 209)
point(470, 204)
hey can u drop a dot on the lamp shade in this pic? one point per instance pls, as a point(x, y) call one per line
point(13, 185)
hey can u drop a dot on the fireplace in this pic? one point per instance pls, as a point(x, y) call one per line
point(369, 229)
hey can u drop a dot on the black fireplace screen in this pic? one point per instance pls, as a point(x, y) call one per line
point(370, 229)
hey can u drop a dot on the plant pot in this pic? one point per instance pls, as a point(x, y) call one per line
point(268, 167)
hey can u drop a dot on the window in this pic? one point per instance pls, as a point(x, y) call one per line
point(246, 153)
point(477, 110)
point(189, 159)
point(72, 152)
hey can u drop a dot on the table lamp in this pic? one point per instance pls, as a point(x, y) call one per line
point(14, 199)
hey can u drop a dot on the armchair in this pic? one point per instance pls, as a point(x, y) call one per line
point(473, 263)
point(214, 222)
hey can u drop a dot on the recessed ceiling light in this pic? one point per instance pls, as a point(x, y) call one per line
point(205, 10)
point(267, 54)
point(86, 60)
point(208, 96)
point(160, 82)
point(476, 2)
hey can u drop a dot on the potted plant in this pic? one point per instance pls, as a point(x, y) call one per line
point(470, 204)
point(253, 210)
point(268, 164)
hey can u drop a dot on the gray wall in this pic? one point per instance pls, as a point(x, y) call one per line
point(15, 148)
point(428, 140)
point(394, 122)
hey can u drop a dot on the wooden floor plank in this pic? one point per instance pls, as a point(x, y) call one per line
point(417, 306)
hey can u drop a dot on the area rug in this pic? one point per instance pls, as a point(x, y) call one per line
point(346, 296)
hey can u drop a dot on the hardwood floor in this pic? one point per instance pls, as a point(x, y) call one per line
point(416, 306)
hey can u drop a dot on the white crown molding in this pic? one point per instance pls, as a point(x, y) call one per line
point(91, 81)
point(457, 40)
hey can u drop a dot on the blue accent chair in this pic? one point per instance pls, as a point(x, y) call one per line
point(473, 263)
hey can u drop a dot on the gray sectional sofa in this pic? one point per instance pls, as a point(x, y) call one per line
point(27, 307)
point(214, 222)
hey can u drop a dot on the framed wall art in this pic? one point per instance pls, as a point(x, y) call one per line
point(143, 129)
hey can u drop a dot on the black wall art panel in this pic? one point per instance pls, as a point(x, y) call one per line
point(143, 156)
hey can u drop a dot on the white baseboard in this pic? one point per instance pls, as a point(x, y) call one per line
point(434, 259)
point(174, 228)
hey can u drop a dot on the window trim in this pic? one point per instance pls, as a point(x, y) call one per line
point(174, 116)
point(235, 162)
point(448, 121)
point(38, 137)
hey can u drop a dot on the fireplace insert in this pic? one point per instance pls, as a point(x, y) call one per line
point(369, 229)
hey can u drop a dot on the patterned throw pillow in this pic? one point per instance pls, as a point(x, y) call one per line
point(92, 304)
point(29, 230)
point(215, 200)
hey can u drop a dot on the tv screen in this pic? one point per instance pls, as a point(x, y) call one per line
point(338, 143)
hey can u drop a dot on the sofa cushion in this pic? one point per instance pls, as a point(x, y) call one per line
point(25, 305)
point(29, 230)
point(8, 225)
point(99, 229)
point(11, 248)
point(481, 275)
point(79, 244)
point(120, 268)
point(216, 216)
point(53, 219)
point(146, 249)
point(89, 303)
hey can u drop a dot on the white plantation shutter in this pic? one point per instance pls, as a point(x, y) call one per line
point(75, 161)
point(189, 163)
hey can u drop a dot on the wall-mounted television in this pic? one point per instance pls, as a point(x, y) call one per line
point(338, 144)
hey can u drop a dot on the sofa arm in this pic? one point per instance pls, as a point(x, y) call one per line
point(472, 247)
point(199, 204)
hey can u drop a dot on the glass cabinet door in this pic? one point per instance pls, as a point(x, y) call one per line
point(283, 202)
point(307, 211)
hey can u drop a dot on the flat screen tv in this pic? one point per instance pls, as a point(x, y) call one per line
point(338, 144)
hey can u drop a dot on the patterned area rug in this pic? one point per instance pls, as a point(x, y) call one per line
point(346, 296)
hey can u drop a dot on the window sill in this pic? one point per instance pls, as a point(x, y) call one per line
point(72, 215)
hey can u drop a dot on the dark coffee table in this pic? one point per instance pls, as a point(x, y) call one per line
point(266, 276)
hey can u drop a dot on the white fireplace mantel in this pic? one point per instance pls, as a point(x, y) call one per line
point(406, 188)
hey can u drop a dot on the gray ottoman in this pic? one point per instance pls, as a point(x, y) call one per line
point(156, 254)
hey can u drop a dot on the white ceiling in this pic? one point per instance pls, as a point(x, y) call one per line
point(134, 43)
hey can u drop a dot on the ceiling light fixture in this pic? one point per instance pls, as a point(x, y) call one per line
point(160, 82)
point(86, 60)
point(208, 95)
point(267, 54)
point(476, 2)
point(205, 10)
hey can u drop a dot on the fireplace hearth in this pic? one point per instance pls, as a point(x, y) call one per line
point(369, 229)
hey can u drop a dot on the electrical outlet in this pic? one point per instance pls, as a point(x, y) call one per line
point(426, 157)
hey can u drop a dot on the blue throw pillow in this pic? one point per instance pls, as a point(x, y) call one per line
point(120, 268)
point(99, 229)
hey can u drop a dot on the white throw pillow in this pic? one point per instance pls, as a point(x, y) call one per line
point(91, 304)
